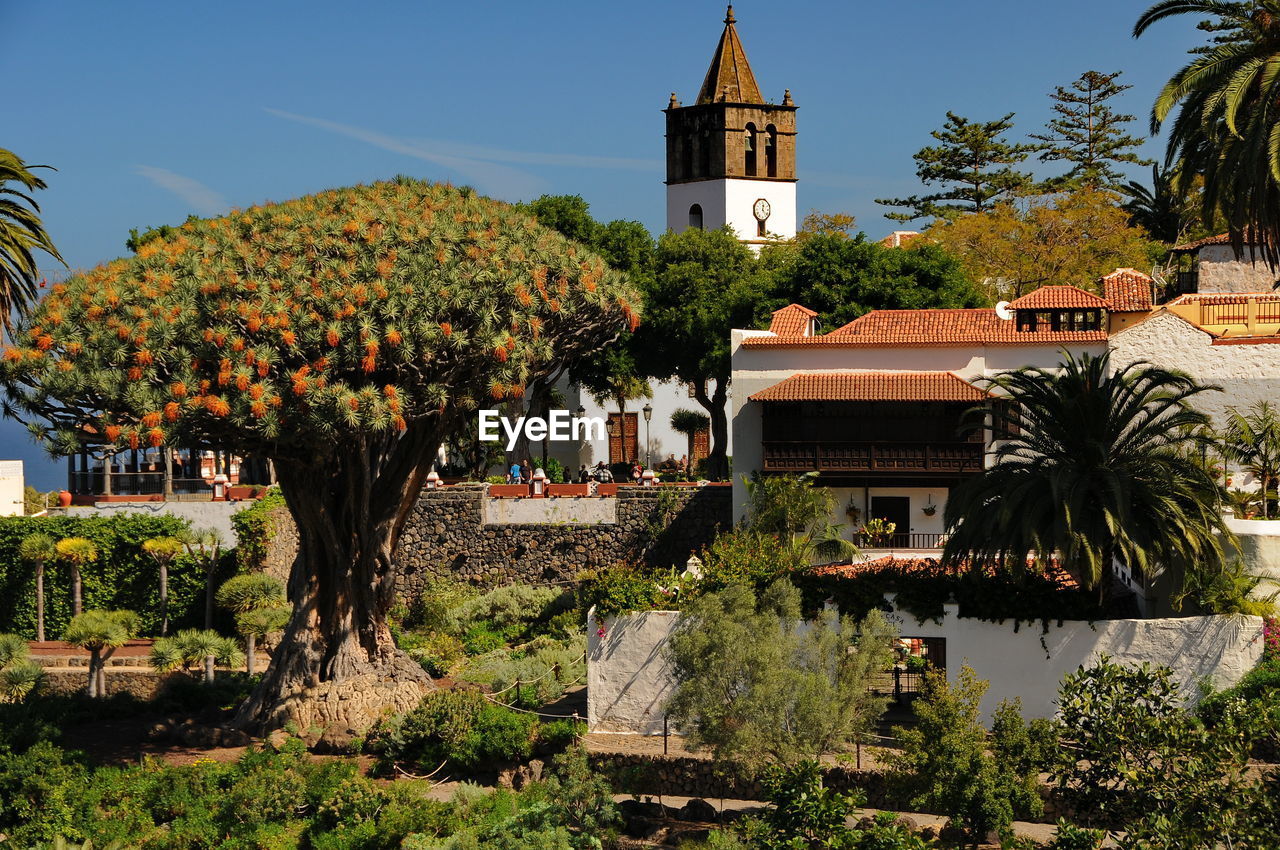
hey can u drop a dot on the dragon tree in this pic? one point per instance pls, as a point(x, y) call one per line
point(343, 335)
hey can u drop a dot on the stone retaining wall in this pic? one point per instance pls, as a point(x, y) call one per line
point(447, 536)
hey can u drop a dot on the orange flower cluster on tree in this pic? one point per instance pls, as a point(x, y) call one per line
point(362, 309)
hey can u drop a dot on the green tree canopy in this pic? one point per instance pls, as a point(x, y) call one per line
point(1098, 471)
point(973, 166)
point(21, 232)
point(342, 335)
point(706, 284)
point(755, 688)
point(842, 278)
point(1086, 133)
point(1225, 125)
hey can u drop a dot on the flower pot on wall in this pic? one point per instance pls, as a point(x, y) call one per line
point(64, 498)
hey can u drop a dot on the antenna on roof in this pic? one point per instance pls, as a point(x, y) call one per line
point(1003, 311)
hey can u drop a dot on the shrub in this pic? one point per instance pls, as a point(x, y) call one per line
point(19, 675)
point(38, 791)
point(459, 728)
point(511, 609)
point(438, 653)
point(255, 530)
point(481, 638)
point(433, 608)
point(543, 667)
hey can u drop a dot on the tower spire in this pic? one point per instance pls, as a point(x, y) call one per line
point(729, 78)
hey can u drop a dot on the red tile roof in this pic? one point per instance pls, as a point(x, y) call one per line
point(792, 320)
point(871, 386)
point(1058, 298)
point(1220, 239)
point(1128, 290)
point(900, 238)
point(1224, 298)
point(937, 327)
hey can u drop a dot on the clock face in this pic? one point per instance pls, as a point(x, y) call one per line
point(761, 209)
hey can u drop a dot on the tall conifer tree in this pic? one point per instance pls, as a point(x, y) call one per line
point(1086, 133)
point(973, 167)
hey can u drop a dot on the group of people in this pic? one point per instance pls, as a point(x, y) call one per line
point(522, 472)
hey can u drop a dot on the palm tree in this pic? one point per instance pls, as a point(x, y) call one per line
point(163, 550)
point(1226, 127)
point(19, 675)
point(191, 647)
point(260, 605)
point(77, 551)
point(1100, 470)
point(798, 513)
point(99, 632)
point(20, 231)
point(38, 550)
point(205, 544)
point(1253, 439)
point(1161, 210)
point(689, 423)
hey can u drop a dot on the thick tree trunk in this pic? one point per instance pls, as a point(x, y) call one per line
point(337, 670)
point(40, 601)
point(209, 668)
point(249, 649)
point(717, 460)
point(77, 602)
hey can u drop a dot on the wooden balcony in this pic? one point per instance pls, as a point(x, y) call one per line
point(881, 459)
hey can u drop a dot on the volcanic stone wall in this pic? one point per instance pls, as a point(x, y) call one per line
point(447, 536)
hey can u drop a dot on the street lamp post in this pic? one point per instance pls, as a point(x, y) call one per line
point(648, 443)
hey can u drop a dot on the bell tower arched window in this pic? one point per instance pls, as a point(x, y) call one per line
point(695, 216)
point(771, 150)
point(749, 149)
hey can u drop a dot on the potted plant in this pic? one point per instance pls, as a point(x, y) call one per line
point(930, 509)
point(852, 511)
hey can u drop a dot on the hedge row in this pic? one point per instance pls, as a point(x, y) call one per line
point(123, 576)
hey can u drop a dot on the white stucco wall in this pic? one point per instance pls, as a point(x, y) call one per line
point(1220, 271)
point(755, 369)
point(563, 510)
point(730, 201)
point(1247, 373)
point(629, 681)
point(668, 397)
point(216, 515)
point(12, 482)
point(1260, 548)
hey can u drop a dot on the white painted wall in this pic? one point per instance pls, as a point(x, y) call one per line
point(1260, 548)
point(755, 369)
point(563, 510)
point(1247, 373)
point(730, 201)
point(12, 482)
point(668, 397)
point(629, 681)
point(216, 515)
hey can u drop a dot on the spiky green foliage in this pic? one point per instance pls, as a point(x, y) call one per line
point(798, 514)
point(21, 231)
point(260, 605)
point(1099, 470)
point(77, 550)
point(19, 675)
point(290, 325)
point(100, 632)
point(39, 550)
point(1251, 438)
point(195, 647)
point(1227, 127)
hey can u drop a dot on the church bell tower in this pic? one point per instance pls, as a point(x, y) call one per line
point(731, 157)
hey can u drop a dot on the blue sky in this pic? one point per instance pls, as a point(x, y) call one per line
point(151, 111)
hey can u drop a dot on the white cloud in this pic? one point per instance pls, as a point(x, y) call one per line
point(477, 164)
point(202, 199)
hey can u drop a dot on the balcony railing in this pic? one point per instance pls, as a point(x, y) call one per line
point(135, 483)
point(888, 458)
point(905, 540)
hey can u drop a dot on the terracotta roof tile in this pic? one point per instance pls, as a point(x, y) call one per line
point(910, 328)
point(1058, 298)
point(1224, 298)
point(792, 320)
point(900, 238)
point(871, 386)
point(1220, 239)
point(1128, 290)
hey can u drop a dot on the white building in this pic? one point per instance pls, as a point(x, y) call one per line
point(875, 407)
point(12, 484)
